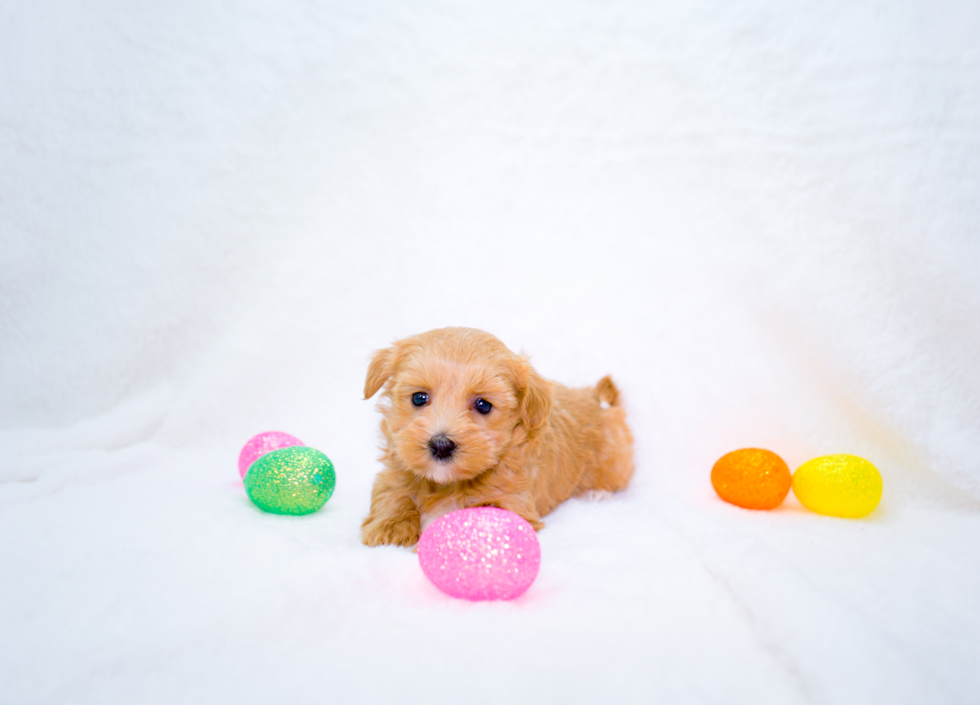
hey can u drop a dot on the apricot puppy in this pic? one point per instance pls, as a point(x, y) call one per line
point(467, 423)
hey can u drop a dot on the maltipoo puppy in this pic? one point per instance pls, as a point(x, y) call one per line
point(467, 423)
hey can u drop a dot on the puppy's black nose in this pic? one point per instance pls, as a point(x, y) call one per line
point(441, 447)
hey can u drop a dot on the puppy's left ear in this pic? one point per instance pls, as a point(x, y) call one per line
point(535, 397)
point(379, 371)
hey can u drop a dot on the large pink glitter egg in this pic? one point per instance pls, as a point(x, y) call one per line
point(261, 444)
point(483, 553)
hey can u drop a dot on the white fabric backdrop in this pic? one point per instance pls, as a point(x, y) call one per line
point(761, 217)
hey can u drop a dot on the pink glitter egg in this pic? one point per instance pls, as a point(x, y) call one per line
point(261, 444)
point(483, 553)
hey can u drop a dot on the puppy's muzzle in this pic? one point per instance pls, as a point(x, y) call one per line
point(441, 446)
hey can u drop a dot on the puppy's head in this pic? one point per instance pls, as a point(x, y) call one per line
point(458, 400)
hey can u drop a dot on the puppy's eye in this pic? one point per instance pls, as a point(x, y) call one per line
point(483, 406)
point(420, 399)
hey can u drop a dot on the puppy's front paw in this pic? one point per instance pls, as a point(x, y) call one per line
point(381, 531)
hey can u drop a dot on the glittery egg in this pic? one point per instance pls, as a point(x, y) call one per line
point(294, 480)
point(838, 485)
point(261, 444)
point(752, 478)
point(483, 553)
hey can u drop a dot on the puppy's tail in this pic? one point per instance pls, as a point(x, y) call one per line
point(607, 392)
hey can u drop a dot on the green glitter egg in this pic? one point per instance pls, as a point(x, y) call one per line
point(294, 480)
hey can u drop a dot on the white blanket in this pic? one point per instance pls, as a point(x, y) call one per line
point(762, 220)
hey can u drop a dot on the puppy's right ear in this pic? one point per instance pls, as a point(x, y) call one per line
point(381, 368)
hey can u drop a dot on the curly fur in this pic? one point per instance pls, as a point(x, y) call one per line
point(540, 444)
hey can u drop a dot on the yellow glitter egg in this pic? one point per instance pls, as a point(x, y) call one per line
point(838, 485)
point(752, 478)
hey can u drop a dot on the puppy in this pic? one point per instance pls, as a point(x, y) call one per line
point(467, 423)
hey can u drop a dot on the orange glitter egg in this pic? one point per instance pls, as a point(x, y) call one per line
point(752, 478)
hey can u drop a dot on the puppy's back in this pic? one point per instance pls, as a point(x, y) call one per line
point(586, 446)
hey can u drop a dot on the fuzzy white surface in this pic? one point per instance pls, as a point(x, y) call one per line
point(762, 218)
